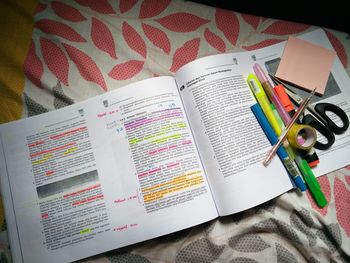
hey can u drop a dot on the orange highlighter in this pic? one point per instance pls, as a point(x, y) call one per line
point(284, 99)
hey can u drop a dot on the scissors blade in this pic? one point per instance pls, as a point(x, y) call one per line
point(310, 108)
point(297, 99)
point(275, 79)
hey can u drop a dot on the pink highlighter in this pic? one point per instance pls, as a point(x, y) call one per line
point(271, 94)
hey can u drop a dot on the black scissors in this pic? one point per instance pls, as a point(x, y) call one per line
point(316, 116)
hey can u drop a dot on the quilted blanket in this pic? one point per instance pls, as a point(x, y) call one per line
point(61, 52)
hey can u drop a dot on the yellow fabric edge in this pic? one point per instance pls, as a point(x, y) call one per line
point(16, 26)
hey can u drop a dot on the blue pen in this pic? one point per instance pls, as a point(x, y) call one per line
point(271, 135)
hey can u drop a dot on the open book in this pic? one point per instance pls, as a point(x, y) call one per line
point(142, 161)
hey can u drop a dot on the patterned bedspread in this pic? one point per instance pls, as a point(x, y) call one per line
point(83, 48)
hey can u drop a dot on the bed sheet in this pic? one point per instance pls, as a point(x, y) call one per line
point(82, 48)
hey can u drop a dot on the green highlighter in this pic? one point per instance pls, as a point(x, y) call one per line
point(312, 182)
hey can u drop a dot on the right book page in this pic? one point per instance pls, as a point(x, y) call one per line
point(231, 143)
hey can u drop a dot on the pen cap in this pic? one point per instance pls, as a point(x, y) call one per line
point(314, 186)
point(283, 97)
point(311, 157)
point(300, 183)
point(255, 86)
point(260, 73)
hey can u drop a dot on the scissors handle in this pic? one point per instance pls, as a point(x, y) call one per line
point(323, 107)
point(329, 135)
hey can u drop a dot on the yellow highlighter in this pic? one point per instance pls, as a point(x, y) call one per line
point(263, 101)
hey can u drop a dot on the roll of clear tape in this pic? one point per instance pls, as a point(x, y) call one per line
point(302, 136)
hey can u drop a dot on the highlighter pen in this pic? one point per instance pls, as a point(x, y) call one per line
point(311, 182)
point(284, 99)
point(284, 134)
point(267, 108)
point(310, 156)
point(272, 137)
point(270, 93)
point(277, 116)
point(262, 99)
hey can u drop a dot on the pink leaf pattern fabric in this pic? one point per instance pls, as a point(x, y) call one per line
point(228, 23)
point(326, 189)
point(342, 201)
point(126, 70)
point(67, 12)
point(151, 8)
point(124, 41)
point(285, 28)
point(86, 66)
point(134, 40)
point(50, 26)
point(100, 6)
point(185, 54)
point(251, 20)
point(264, 43)
point(347, 179)
point(157, 37)
point(182, 22)
point(339, 48)
point(102, 37)
point(214, 40)
point(55, 60)
point(33, 67)
point(39, 8)
point(126, 5)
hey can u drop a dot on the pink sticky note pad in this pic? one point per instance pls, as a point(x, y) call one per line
point(305, 64)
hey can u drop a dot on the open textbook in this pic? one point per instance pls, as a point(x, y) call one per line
point(142, 161)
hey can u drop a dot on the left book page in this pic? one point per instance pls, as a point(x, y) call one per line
point(111, 171)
